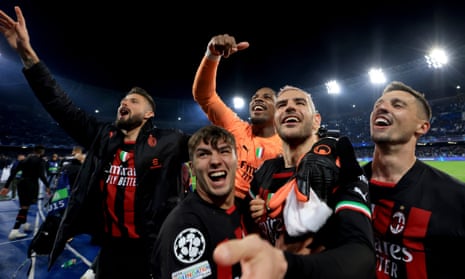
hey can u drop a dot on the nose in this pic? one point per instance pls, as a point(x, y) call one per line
point(215, 158)
point(381, 107)
point(289, 107)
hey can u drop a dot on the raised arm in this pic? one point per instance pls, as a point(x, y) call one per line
point(17, 36)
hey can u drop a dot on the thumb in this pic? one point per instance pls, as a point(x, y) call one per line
point(242, 45)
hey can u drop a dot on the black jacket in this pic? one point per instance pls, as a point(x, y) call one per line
point(158, 188)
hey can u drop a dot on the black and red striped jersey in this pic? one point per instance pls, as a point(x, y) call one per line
point(419, 224)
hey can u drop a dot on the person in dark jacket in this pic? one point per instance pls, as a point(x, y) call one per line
point(131, 178)
point(72, 165)
point(32, 169)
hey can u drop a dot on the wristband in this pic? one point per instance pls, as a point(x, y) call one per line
point(211, 56)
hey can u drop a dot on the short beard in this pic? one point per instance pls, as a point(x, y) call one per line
point(129, 124)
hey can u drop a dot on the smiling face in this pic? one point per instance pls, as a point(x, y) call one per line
point(261, 106)
point(213, 159)
point(397, 118)
point(133, 112)
point(296, 118)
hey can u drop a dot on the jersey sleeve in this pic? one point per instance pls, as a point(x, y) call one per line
point(182, 248)
point(204, 93)
point(347, 238)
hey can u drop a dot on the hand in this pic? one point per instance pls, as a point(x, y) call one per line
point(296, 247)
point(350, 169)
point(257, 257)
point(318, 170)
point(225, 45)
point(257, 209)
point(4, 191)
point(15, 32)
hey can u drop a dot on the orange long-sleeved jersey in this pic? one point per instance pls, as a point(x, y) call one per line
point(251, 149)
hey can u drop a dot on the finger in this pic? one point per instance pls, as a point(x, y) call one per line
point(232, 251)
point(20, 17)
point(242, 45)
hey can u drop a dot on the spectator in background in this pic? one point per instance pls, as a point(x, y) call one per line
point(33, 169)
point(418, 211)
point(71, 165)
point(131, 178)
point(256, 141)
point(4, 163)
point(53, 168)
point(14, 183)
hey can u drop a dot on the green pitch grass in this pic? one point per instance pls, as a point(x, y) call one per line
point(454, 168)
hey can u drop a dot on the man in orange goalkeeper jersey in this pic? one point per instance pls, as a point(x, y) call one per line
point(256, 140)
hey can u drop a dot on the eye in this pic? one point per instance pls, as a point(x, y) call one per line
point(226, 151)
point(280, 104)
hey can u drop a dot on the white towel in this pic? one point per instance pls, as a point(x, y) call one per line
point(304, 217)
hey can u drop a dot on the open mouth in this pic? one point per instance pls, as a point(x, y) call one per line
point(381, 121)
point(218, 175)
point(124, 111)
point(258, 108)
point(290, 119)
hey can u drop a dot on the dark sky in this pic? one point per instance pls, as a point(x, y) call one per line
point(158, 44)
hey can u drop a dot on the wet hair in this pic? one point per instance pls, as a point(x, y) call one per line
point(143, 93)
point(210, 134)
point(400, 86)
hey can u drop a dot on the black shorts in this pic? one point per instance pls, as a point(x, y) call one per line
point(28, 191)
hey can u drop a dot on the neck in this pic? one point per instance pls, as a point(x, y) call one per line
point(391, 162)
point(132, 134)
point(294, 152)
point(264, 131)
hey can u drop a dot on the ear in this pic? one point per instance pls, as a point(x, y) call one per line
point(316, 122)
point(423, 128)
point(149, 114)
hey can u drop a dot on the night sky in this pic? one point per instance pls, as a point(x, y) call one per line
point(158, 44)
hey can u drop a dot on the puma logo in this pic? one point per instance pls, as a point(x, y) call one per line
point(360, 192)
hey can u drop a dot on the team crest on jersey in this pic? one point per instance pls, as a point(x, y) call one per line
point(397, 223)
point(189, 245)
point(152, 141)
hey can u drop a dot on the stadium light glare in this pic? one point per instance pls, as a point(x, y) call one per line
point(238, 102)
point(332, 87)
point(377, 76)
point(437, 58)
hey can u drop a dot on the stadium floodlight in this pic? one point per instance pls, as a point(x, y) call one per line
point(436, 58)
point(238, 102)
point(332, 87)
point(377, 76)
